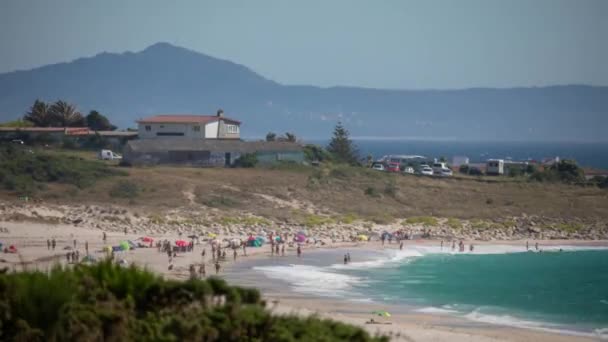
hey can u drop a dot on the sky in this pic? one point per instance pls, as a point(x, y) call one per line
point(399, 44)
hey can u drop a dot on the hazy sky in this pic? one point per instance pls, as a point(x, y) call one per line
point(387, 44)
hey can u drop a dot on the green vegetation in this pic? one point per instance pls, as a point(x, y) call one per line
point(63, 114)
point(312, 220)
point(17, 123)
point(24, 171)
point(218, 201)
point(316, 153)
point(565, 171)
point(570, 227)
point(424, 220)
point(454, 223)
point(245, 221)
point(108, 302)
point(371, 192)
point(247, 160)
point(124, 189)
point(342, 148)
point(390, 188)
point(98, 122)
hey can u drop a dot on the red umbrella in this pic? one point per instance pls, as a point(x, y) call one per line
point(147, 239)
point(181, 243)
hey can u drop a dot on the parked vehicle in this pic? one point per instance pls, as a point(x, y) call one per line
point(108, 155)
point(393, 167)
point(17, 141)
point(426, 171)
point(445, 173)
point(408, 169)
point(378, 167)
point(439, 166)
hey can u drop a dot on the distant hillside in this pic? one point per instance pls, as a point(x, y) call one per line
point(168, 79)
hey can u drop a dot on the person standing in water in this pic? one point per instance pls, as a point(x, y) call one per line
point(283, 250)
point(217, 267)
point(234, 255)
point(202, 272)
point(441, 244)
point(48, 244)
point(299, 251)
point(401, 245)
point(536, 246)
point(453, 245)
point(345, 259)
point(527, 246)
point(348, 256)
point(471, 248)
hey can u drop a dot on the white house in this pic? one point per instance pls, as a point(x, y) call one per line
point(189, 126)
point(495, 167)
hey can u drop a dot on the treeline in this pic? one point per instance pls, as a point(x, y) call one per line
point(61, 114)
point(106, 302)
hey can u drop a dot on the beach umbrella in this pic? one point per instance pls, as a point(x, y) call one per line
point(381, 313)
point(181, 243)
point(147, 239)
point(300, 238)
point(212, 235)
point(124, 245)
point(362, 237)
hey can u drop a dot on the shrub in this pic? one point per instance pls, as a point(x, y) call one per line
point(454, 223)
point(424, 220)
point(247, 160)
point(124, 189)
point(371, 191)
point(109, 302)
point(390, 188)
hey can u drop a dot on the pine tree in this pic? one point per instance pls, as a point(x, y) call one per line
point(341, 147)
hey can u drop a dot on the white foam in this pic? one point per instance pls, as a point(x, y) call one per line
point(434, 310)
point(311, 279)
point(507, 320)
point(389, 256)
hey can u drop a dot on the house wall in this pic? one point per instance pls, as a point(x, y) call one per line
point(211, 130)
point(229, 130)
point(165, 130)
point(269, 157)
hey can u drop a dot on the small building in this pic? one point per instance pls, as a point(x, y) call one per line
point(189, 126)
point(495, 167)
point(208, 152)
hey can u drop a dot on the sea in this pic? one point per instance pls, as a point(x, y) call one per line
point(587, 154)
point(562, 289)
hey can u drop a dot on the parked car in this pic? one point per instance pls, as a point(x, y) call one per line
point(108, 155)
point(393, 167)
point(378, 167)
point(17, 141)
point(426, 171)
point(409, 170)
point(445, 173)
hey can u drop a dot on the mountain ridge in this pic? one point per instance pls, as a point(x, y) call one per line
point(165, 78)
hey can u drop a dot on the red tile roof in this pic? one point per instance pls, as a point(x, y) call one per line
point(202, 119)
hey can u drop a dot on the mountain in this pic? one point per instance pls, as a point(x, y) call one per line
point(167, 79)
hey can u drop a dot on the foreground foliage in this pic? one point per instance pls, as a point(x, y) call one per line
point(107, 302)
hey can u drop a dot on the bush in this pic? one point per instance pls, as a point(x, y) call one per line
point(124, 189)
point(390, 189)
point(109, 302)
point(247, 160)
point(371, 191)
point(424, 220)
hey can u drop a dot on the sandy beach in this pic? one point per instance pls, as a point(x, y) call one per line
point(31, 241)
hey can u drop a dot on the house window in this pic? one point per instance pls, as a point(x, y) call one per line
point(169, 134)
point(196, 128)
point(148, 128)
point(232, 129)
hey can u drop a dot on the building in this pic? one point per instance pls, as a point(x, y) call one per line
point(208, 152)
point(189, 126)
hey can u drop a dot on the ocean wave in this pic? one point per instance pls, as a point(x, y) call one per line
point(507, 320)
point(434, 310)
point(312, 279)
point(388, 256)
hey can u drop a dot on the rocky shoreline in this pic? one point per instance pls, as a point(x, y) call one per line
point(203, 220)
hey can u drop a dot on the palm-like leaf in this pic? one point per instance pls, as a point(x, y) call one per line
point(39, 114)
point(64, 114)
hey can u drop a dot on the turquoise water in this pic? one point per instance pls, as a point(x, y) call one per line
point(569, 288)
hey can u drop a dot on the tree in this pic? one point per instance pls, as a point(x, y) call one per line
point(98, 122)
point(290, 137)
point(17, 123)
point(341, 147)
point(39, 114)
point(64, 114)
point(271, 136)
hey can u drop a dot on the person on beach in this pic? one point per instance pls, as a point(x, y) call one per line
point(53, 243)
point(202, 272)
point(48, 244)
point(453, 245)
point(224, 255)
point(217, 267)
point(277, 250)
point(348, 256)
point(471, 248)
point(441, 244)
point(192, 271)
point(74, 243)
point(234, 255)
point(125, 230)
point(383, 238)
point(86, 247)
point(345, 259)
point(401, 245)
point(299, 250)
point(67, 256)
point(527, 246)
point(536, 246)
point(203, 253)
point(105, 237)
point(283, 250)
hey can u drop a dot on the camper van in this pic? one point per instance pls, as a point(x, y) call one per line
point(108, 155)
point(495, 167)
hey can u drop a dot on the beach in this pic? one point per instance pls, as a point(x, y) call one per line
point(30, 238)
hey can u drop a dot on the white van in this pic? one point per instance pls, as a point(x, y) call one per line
point(108, 155)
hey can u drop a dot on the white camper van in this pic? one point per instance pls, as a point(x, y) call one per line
point(495, 167)
point(108, 155)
